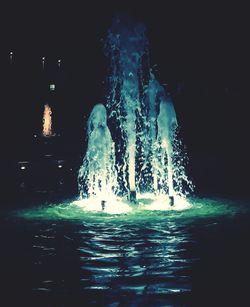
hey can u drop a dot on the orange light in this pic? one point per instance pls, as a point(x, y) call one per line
point(47, 121)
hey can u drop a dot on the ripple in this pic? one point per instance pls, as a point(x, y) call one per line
point(143, 252)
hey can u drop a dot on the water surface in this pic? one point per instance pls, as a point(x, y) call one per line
point(60, 255)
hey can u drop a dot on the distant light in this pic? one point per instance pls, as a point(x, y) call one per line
point(60, 166)
point(52, 87)
point(11, 57)
point(23, 167)
point(43, 61)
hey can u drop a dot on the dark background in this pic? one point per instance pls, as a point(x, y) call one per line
point(201, 52)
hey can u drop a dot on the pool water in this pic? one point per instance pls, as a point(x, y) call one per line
point(60, 255)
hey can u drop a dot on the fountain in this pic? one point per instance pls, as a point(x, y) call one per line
point(133, 148)
point(97, 175)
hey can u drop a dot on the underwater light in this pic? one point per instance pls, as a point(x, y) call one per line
point(111, 205)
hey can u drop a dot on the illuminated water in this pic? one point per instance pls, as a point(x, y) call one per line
point(132, 140)
point(59, 254)
point(194, 209)
point(97, 174)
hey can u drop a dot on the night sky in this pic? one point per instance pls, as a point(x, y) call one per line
point(200, 51)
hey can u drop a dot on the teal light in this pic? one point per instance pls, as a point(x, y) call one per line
point(201, 208)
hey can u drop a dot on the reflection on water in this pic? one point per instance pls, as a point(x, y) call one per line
point(149, 260)
point(114, 259)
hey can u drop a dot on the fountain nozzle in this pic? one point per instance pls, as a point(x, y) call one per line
point(171, 201)
point(103, 204)
point(132, 197)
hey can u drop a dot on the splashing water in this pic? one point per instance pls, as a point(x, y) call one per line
point(97, 175)
point(47, 121)
point(125, 45)
point(135, 149)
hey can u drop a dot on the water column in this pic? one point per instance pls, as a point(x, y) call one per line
point(131, 103)
point(97, 175)
point(152, 91)
point(126, 44)
point(167, 125)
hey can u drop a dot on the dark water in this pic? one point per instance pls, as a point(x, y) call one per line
point(58, 255)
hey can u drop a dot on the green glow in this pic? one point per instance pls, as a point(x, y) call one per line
point(200, 208)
